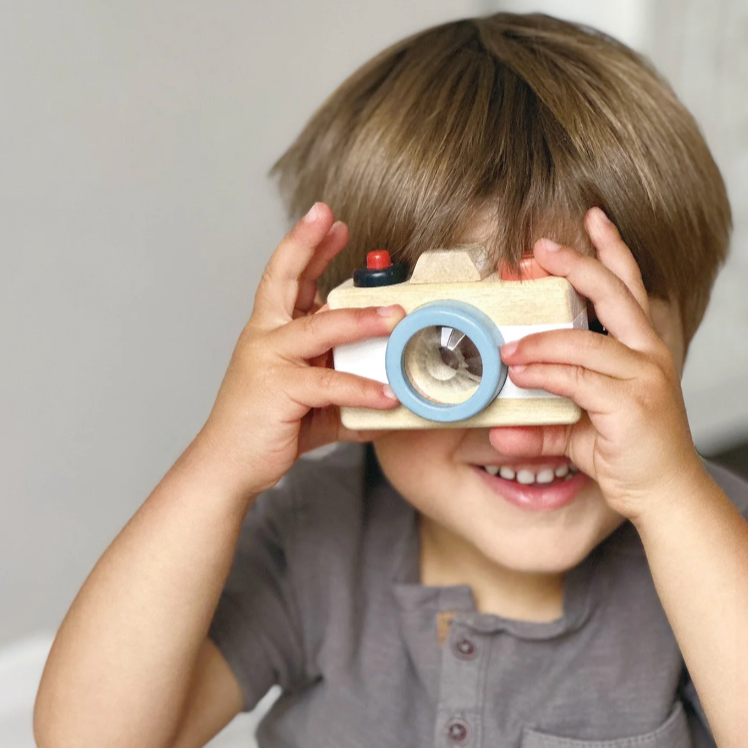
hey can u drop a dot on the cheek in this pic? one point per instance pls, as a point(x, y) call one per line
point(416, 463)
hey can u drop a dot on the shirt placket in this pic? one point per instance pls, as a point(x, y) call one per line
point(464, 660)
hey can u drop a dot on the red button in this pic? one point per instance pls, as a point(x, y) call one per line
point(378, 259)
point(528, 270)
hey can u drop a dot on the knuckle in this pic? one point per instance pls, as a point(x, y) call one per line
point(653, 382)
point(268, 276)
point(364, 316)
point(364, 313)
point(664, 359)
point(325, 378)
point(314, 324)
point(579, 380)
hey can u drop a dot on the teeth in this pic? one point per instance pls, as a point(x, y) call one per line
point(525, 477)
point(545, 476)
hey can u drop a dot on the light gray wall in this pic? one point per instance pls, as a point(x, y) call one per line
point(135, 219)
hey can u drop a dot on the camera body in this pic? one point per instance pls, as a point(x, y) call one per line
point(442, 360)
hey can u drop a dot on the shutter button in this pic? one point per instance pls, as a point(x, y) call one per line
point(458, 731)
point(379, 271)
point(464, 649)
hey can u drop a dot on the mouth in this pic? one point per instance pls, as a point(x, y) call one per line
point(534, 485)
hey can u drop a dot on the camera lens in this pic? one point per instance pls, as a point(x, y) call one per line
point(443, 361)
point(443, 364)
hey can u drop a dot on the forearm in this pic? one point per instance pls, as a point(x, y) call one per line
point(697, 548)
point(120, 668)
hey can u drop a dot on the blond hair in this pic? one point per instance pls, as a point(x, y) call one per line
point(528, 120)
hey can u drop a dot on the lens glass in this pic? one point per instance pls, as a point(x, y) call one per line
point(443, 365)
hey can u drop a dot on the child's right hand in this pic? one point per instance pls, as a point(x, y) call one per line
point(280, 396)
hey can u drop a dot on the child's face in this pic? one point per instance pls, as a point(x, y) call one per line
point(441, 473)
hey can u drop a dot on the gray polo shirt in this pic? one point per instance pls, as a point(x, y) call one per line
point(324, 599)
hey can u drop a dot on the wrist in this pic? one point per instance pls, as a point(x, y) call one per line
point(686, 488)
point(204, 468)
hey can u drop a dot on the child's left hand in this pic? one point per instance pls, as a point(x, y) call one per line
point(633, 439)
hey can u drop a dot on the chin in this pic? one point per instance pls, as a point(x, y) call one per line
point(551, 547)
point(540, 559)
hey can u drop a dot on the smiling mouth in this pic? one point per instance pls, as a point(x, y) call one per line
point(530, 475)
point(535, 485)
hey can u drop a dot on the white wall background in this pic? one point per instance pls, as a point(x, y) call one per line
point(135, 219)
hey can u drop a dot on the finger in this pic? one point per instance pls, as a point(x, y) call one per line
point(311, 336)
point(591, 391)
point(318, 428)
point(614, 253)
point(591, 350)
point(316, 306)
point(321, 388)
point(531, 441)
point(575, 440)
point(616, 307)
point(277, 292)
point(331, 245)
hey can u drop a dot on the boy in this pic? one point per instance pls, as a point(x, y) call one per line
point(523, 587)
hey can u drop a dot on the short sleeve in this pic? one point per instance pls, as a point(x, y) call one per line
point(736, 489)
point(256, 625)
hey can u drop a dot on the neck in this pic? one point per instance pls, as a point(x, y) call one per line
point(447, 559)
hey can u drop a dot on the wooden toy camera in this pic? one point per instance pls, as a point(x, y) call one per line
point(442, 360)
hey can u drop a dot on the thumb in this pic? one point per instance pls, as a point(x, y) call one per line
point(531, 441)
point(573, 440)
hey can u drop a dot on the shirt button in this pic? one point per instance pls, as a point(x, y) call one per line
point(458, 731)
point(464, 648)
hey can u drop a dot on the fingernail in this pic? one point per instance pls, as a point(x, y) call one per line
point(312, 215)
point(550, 246)
point(389, 392)
point(517, 368)
point(387, 311)
point(508, 348)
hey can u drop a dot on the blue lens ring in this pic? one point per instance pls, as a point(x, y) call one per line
point(479, 327)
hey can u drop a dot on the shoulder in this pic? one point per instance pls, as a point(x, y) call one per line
point(321, 512)
point(734, 486)
point(324, 487)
